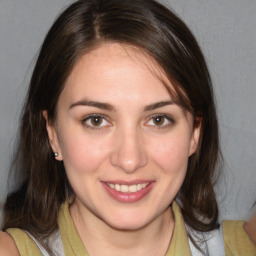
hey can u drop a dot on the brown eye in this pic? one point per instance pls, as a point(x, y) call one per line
point(158, 120)
point(96, 120)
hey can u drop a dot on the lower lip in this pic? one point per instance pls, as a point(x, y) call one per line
point(128, 197)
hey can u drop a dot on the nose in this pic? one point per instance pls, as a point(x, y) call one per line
point(128, 153)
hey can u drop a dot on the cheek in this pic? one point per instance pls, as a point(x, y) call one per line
point(82, 154)
point(171, 153)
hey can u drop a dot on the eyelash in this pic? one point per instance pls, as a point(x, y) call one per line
point(91, 126)
point(166, 117)
point(161, 126)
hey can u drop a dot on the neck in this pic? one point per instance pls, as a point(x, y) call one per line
point(101, 239)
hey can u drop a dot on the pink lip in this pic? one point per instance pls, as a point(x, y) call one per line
point(128, 197)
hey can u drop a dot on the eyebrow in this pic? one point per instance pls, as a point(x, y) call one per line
point(109, 107)
point(157, 105)
point(95, 104)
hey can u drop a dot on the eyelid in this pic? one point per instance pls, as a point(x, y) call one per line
point(87, 117)
point(166, 116)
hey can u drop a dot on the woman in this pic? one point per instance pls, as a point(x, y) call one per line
point(119, 141)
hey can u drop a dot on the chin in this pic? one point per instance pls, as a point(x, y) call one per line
point(128, 223)
point(128, 226)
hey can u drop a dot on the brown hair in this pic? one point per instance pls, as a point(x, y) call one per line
point(83, 26)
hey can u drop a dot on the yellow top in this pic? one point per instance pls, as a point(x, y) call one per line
point(236, 241)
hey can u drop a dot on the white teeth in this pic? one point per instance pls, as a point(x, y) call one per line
point(128, 189)
point(124, 188)
point(133, 188)
point(139, 187)
point(117, 187)
point(144, 185)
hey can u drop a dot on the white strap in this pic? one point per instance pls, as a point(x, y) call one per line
point(54, 242)
point(211, 243)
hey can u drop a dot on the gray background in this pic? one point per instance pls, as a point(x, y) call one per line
point(226, 31)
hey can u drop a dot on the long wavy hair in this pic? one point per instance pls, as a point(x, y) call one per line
point(83, 26)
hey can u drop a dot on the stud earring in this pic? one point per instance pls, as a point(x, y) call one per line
point(55, 154)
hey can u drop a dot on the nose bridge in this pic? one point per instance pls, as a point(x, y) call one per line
point(129, 153)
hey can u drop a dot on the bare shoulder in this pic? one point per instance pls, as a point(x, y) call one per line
point(250, 228)
point(7, 245)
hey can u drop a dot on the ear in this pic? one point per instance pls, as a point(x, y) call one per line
point(195, 136)
point(52, 136)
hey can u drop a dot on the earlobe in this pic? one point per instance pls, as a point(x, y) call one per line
point(52, 137)
point(195, 136)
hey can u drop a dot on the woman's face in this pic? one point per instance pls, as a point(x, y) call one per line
point(124, 143)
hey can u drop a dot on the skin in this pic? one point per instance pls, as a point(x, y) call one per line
point(7, 245)
point(127, 145)
point(250, 228)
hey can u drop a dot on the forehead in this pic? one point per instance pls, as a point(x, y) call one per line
point(117, 70)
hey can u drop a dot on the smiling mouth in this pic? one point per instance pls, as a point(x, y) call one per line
point(128, 192)
point(128, 188)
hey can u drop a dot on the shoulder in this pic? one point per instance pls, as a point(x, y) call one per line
point(7, 245)
point(250, 228)
point(236, 239)
point(24, 243)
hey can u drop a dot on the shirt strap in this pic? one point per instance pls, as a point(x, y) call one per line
point(54, 242)
point(211, 243)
